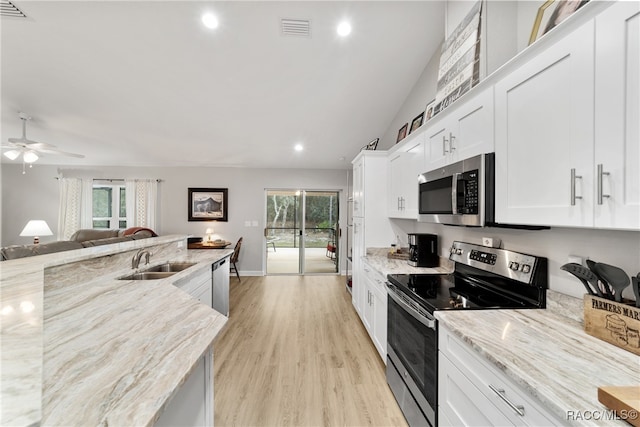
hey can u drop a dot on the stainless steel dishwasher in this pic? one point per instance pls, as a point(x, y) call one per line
point(220, 286)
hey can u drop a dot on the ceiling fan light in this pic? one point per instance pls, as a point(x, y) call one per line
point(12, 154)
point(30, 157)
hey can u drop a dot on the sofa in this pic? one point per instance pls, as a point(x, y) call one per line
point(83, 238)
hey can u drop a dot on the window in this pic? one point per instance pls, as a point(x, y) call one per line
point(109, 206)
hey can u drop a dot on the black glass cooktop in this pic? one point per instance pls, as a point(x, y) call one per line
point(451, 292)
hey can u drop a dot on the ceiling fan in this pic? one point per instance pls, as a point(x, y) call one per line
point(30, 150)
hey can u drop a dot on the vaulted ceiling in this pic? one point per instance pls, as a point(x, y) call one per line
point(140, 83)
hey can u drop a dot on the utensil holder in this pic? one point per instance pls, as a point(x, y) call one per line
point(613, 322)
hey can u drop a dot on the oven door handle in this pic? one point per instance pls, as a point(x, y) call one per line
point(429, 322)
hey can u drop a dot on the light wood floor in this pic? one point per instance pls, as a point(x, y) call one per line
point(294, 353)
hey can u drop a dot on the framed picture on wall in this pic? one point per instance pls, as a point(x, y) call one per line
point(208, 204)
point(402, 133)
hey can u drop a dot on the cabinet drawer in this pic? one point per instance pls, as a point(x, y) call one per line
point(496, 387)
point(376, 279)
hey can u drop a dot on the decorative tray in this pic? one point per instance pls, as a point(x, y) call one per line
point(207, 245)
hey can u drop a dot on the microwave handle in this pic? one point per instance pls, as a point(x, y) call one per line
point(454, 194)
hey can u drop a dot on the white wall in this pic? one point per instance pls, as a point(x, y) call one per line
point(36, 195)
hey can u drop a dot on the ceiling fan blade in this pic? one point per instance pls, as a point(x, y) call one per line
point(63, 153)
point(41, 146)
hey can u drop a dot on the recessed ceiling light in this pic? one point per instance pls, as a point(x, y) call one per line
point(210, 21)
point(298, 147)
point(344, 29)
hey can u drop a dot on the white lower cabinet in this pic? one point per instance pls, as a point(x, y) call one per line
point(375, 309)
point(471, 392)
point(193, 403)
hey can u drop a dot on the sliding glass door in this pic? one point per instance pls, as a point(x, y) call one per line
point(301, 235)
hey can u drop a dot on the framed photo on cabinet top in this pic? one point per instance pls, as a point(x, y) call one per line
point(552, 13)
point(402, 133)
point(428, 112)
point(417, 122)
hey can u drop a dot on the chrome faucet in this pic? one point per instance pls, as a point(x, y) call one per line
point(135, 262)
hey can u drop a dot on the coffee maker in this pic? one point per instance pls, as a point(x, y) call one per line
point(423, 250)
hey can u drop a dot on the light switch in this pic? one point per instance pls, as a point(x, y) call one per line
point(254, 223)
point(247, 223)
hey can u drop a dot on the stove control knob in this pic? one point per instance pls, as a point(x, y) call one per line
point(526, 268)
point(514, 266)
point(458, 251)
point(452, 250)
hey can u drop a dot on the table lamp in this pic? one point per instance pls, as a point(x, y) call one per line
point(36, 228)
point(209, 232)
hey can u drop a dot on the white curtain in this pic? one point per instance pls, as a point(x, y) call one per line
point(142, 202)
point(76, 209)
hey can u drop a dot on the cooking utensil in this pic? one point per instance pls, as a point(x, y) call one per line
point(585, 275)
point(636, 289)
point(616, 277)
point(593, 266)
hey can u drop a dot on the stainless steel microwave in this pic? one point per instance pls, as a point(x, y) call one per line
point(461, 193)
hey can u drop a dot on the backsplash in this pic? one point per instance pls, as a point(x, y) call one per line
point(619, 248)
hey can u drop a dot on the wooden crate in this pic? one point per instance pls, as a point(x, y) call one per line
point(613, 322)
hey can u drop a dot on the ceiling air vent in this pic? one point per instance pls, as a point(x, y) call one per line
point(296, 27)
point(9, 9)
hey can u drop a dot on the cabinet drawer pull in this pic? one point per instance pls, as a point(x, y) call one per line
point(444, 145)
point(601, 173)
point(573, 186)
point(519, 409)
point(451, 138)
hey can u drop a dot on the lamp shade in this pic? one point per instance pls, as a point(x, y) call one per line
point(36, 228)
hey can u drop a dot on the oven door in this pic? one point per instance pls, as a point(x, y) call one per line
point(412, 348)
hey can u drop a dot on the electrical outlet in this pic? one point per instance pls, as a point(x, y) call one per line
point(180, 244)
point(491, 242)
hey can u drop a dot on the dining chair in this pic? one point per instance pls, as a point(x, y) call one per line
point(234, 258)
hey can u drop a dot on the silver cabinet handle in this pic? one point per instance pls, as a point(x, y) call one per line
point(573, 186)
point(601, 173)
point(444, 145)
point(451, 138)
point(519, 409)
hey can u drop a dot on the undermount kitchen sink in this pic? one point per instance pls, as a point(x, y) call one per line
point(148, 275)
point(159, 271)
point(170, 267)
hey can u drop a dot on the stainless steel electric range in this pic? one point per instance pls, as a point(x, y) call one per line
point(483, 278)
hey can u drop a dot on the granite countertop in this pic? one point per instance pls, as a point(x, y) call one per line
point(548, 355)
point(377, 259)
point(95, 350)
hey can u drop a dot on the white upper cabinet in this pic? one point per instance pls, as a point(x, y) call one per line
point(617, 112)
point(568, 128)
point(544, 113)
point(463, 132)
point(404, 167)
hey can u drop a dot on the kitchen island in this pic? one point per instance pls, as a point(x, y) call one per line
point(113, 352)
